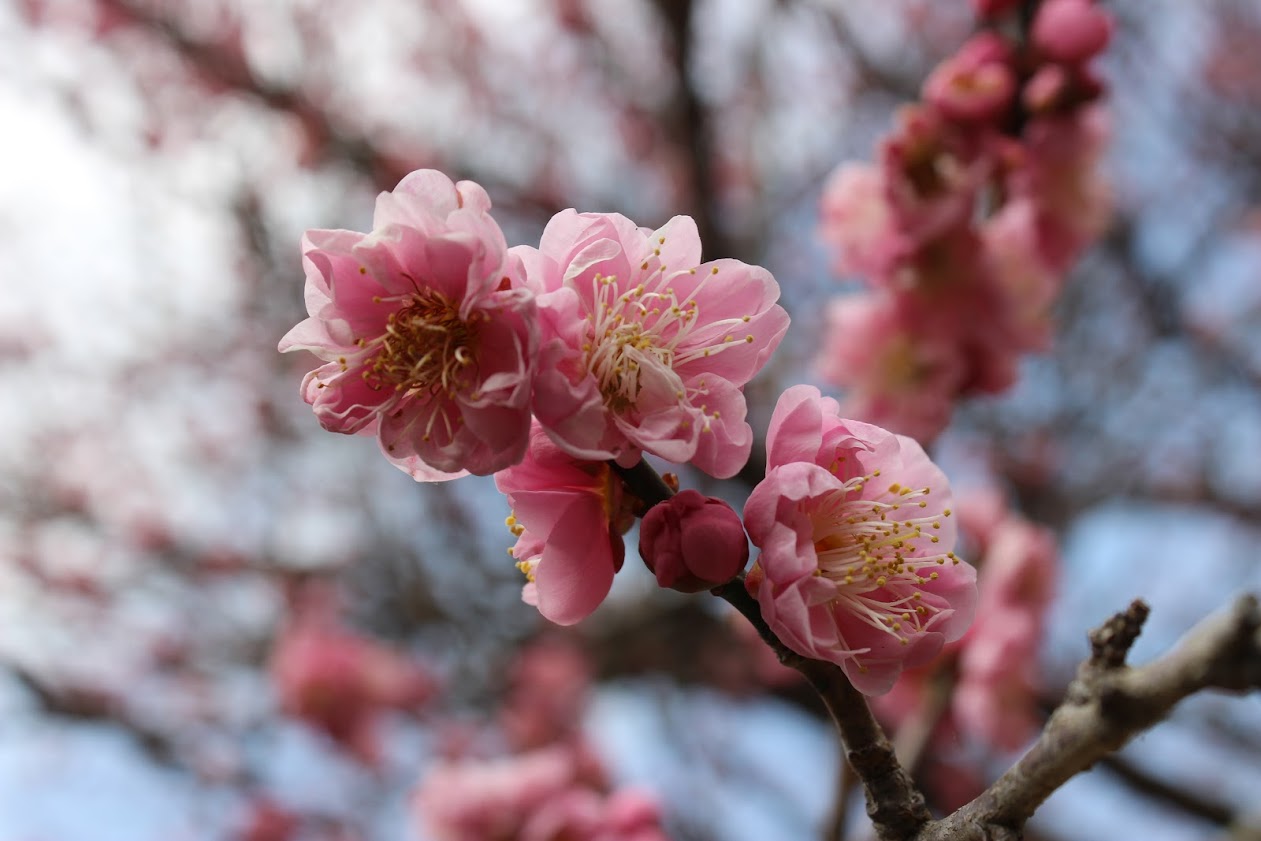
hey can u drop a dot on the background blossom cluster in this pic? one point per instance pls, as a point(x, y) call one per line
point(983, 196)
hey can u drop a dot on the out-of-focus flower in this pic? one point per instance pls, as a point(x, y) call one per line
point(692, 542)
point(856, 219)
point(339, 681)
point(569, 516)
point(895, 376)
point(547, 693)
point(644, 347)
point(427, 334)
point(975, 84)
point(1071, 31)
point(491, 800)
point(857, 539)
point(585, 815)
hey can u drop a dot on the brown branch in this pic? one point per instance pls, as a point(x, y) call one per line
point(896, 807)
point(1106, 706)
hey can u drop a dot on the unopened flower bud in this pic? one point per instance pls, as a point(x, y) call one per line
point(693, 542)
point(1071, 31)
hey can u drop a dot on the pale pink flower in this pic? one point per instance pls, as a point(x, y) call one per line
point(857, 539)
point(932, 170)
point(491, 800)
point(569, 516)
point(1028, 285)
point(1060, 175)
point(995, 699)
point(645, 348)
point(341, 682)
point(427, 333)
point(1021, 568)
point(586, 815)
point(856, 219)
point(692, 542)
point(548, 683)
point(898, 374)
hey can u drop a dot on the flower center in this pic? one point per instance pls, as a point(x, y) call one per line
point(879, 558)
point(426, 349)
point(638, 337)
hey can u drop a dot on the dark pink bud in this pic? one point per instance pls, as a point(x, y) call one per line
point(1071, 31)
point(994, 8)
point(693, 542)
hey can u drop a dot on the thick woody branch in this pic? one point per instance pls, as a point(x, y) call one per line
point(1107, 705)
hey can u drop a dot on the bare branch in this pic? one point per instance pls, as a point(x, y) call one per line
point(1106, 706)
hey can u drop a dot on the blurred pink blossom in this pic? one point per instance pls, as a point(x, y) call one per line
point(855, 528)
point(339, 681)
point(644, 347)
point(1071, 31)
point(427, 335)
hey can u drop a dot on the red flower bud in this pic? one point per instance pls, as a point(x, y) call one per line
point(1071, 31)
point(693, 542)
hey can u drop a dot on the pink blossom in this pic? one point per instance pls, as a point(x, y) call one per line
point(976, 84)
point(1071, 31)
point(1027, 284)
point(995, 698)
point(427, 334)
point(898, 374)
point(340, 682)
point(855, 217)
point(933, 171)
point(644, 347)
point(569, 516)
point(855, 528)
point(693, 542)
point(547, 692)
point(1060, 175)
point(491, 800)
point(585, 815)
point(1021, 568)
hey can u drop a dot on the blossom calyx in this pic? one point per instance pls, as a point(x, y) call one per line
point(693, 542)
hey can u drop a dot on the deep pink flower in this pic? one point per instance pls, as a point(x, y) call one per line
point(569, 516)
point(427, 333)
point(644, 347)
point(1071, 31)
point(857, 539)
point(693, 542)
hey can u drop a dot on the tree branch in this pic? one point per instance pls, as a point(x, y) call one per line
point(1106, 706)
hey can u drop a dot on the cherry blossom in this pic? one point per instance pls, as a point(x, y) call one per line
point(857, 564)
point(569, 516)
point(645, 348)
point(426, 332)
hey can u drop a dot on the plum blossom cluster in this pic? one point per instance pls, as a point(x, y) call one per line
point(539, 365)
point(550, 786)
point(983, 196)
